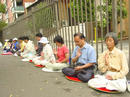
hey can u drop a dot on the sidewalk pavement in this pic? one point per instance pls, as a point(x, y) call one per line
point(22, 79)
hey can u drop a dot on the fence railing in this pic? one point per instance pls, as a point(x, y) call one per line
point(93, 18)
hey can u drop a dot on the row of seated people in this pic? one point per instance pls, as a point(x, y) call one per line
point(112, 63)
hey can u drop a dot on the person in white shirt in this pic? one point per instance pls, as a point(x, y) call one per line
point(29, 50)
point(47, 55)
point(1, 45)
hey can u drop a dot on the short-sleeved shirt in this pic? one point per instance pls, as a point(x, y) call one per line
point(88, 54)
point(61, 52)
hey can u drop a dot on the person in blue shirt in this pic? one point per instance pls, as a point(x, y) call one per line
point(15, 46)
point(15, 43)
point(84, 58)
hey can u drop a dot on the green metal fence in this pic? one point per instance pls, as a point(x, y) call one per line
point(93, 18)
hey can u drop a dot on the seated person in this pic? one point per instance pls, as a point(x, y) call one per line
point(39, 46)
point(39, 49)
point(29, 50)
point(47, 55)
point(5, 44)
point(113, 64)
point(1, 45)
point(15, 45)
point(62, 55)
point(84, 57)
point(21, 45)
point(8, 46)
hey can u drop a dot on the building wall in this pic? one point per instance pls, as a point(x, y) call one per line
point(28, 2)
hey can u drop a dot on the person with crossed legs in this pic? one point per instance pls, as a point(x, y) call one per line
point(113, 65)
point(84, 57)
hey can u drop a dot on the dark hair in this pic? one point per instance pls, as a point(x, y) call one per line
point(80, 35)
point(113, 35)
point(38, 35)
point(10, 40)
point(59, 39)
point(25, 38)
point(21, 38)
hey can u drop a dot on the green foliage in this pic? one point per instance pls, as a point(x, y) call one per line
point(104, 11)
point(2, 25)
point(77, 5)
point(2, 8)
point(44, 18)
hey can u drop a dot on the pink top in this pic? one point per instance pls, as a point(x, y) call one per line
point(61, 52)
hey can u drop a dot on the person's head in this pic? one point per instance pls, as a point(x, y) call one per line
point(111, 40)
point(10, 41)
point(44, 41)
point(6, 40)
point(79, 39)
point(20, 39)
point(58, 40)
point(26, 39)
point(38, 36)
point(15, 40)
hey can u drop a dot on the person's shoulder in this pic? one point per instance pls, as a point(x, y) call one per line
point(48, 45)
point(117, 50)
point(88, 46)
point(30, 41)
point(65, 47)
point(76, 47)
point(24, 43)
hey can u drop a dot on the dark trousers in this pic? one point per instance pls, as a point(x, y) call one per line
point(83, 75)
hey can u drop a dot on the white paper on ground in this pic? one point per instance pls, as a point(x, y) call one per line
point(49, 70)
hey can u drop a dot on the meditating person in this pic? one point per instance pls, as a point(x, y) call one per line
point(21, 45)
point(5, 45)
point(113, 64)
point(39, 46)
point(62, 55)
point(9, 46)
point(1, 45)
point(15, 46)
point(84, 57)
point(29, 50)
point(47, 55)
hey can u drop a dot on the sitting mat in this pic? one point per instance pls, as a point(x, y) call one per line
point(73, 79)
point(40, 66)
point(103, 89)
point(30, 61)
point(8, 53)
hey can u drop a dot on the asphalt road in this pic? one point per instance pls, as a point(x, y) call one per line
point(22, 79)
